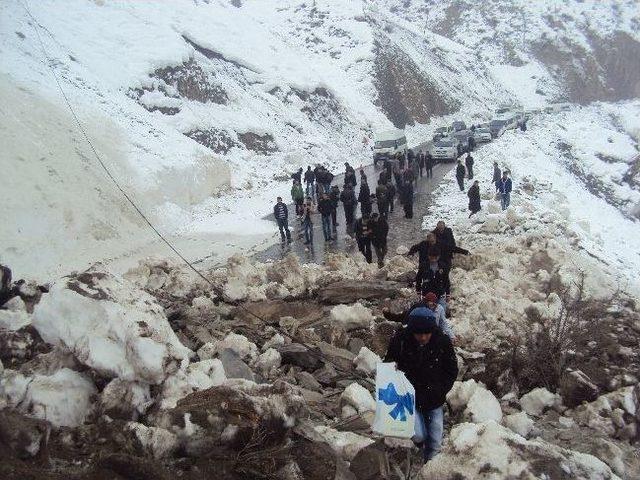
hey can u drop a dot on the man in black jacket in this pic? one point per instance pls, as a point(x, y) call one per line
point(325, 206)
point(281, 213)
point(434, 277)
point(427, 358)
point(363, 236)
point(349, 202)
point(309, 178)
point(460, 173)
point(468, 161)
point(364, 197)
point(379, 231)
point(444, 236)
point(429, 162)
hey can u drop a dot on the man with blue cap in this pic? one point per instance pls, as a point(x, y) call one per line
point(426, 356)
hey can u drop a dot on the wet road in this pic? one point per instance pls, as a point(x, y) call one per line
point(401, 230)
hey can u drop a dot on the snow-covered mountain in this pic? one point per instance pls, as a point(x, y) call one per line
point(201, 109)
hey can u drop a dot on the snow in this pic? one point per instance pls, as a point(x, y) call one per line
point(205, 374)
point(345, 444)
point(519, 422)
point(156, 442)
point(120, 395)
point(537, 400)
point(351, 317)
point(359, 398)
point(110, 326)
point(268, 361)
point(366, 361)
point(14, 320)
point(483, 406)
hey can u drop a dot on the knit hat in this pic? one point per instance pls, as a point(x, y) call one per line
point(422, 320)
point(430, 297)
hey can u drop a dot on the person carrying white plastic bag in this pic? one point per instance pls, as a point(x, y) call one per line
point(426, 356)
point(395, 403)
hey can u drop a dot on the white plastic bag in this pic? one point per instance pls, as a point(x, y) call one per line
point(395, 403)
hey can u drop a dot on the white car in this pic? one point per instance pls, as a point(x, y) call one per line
point(482, 135)
point(446, 149)
point(388, 144)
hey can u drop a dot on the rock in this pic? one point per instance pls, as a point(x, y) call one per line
point(366, 361)
point(5, 284)
point(124, 400)
point(354, 345)
point(352, 317)
point(17, 344)
point(155, 442)
point(24, 436)
point(461, 393)
point(326, 375)
point(371, 462)
point(539, 399)
point(576, 387)
point(16, 304)
point(345, 444)
point(351, 291)
point(488, 450)
point(300, 356)
point(315, 460)
point(268, 361)
point(274, 342)
point(308, 381)
point(359, 398)
point(519, 423)
point(110, 326)
point(206, 374)
point(239, 344)
point(233, 365)
point(339, 357)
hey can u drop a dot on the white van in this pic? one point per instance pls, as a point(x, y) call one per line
point(389, 143)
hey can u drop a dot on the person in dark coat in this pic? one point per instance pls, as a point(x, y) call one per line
point(349, 202)
point(334, 196)
point(297, 176)
point(309, 178)
point(460, 173)
point(382, 198)
point(406, 198)
point(426, 356)
point(325, 207)
point(364, 197)
point(350, 175)
point(474, 198)
point(447, 242)
point(363, 236)
point(434, 277)
point(497, 174)
point(423, 248)
point(421, 162)
point(429, 162)
point(391, 194)
point(307, 222)
point(468, 161)
point(379, 232)
point(281, 213)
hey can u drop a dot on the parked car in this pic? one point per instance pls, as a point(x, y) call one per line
point(441, 132)
point(482, 134)
point(446, 149)
point(388, 144)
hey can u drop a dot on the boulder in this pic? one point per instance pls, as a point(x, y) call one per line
point(233, 365)
point(345, 444)
point(371, 462)
point(339, 357)
point(300, 356)
point(352, 317)
point(483, 406)
point(351, 291)
point(576, 387)
point(538, 400)
point(268, 361)
point(308, 381)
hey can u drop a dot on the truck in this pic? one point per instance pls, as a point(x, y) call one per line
point(388, 144)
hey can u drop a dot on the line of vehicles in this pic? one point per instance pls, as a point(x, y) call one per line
point(452, 141)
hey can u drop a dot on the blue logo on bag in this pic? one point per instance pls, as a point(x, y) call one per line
point(402, 402)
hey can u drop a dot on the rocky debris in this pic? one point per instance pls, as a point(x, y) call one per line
point(488, 450)
point(153, 441)
point(347, 292)
point(576, 387)
point(539, 399)
point(351, 317)
point(124, 400)
point(24, 437)
point(300, 356)
point(479, 404)
point(233, 365)
point(519, 423)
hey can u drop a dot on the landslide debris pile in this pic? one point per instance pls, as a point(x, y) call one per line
point(155, 375)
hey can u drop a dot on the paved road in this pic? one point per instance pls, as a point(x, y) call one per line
point(401, 230)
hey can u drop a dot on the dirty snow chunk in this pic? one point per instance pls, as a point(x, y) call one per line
point(110, 326)
point(345, 444)
point(483, 406)
point(519, 422)
point(268, 361)
point(155, 441)
point(274, 342)
point(239, 344)
point(366, 360)
point(472, 450)
point(461, 392)
point(127, 399)
point(402, 250)
point(14, 320)
point(359, 398)
point(15, 304)
point(351, 317)
point(205, 374)
point(537, 400)
point(207, 351)
point(13, 388)
point(64, 398)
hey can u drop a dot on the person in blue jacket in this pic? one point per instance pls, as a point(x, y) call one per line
point(503, 186)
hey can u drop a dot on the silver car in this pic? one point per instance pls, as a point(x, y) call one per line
point(446, 149)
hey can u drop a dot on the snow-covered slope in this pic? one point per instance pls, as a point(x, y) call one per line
point(202, 109)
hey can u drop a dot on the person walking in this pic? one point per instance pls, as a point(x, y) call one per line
point(363, 236)
point(325, 207)
point(504, 187)
point(406, 198)
point(364, 197)
point(429, 162)
point(297, 195)
point(382, 198)
point(474, 198)
point(349, 175)
point(307, 222)
point(497, 174)
point(334, 196)
point(447, 242)
point(297, 176)
point(435, 278)
point(379, 232)
point(460, 173)
point(309, 178)
point(468, 161)
point(421, 162)
point(391, 194)
point(427, 300)
point(349, 202)
point(426, 356)
point(281, 213)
